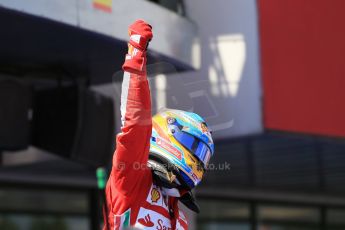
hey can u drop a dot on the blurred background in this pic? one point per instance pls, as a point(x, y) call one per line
point(267, 75)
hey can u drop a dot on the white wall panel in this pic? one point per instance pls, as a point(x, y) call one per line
point(226, 90)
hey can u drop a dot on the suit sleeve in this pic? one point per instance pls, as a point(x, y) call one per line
point(133, 143)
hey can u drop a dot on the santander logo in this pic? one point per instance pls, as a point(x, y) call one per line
point(171, 149)
point(161, 226)
point(146, 221)
point(153, 220)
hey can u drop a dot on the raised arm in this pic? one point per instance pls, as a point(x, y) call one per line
point(132, 144)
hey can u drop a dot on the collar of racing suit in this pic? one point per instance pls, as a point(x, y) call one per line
point(162, 178)
point(174, 192)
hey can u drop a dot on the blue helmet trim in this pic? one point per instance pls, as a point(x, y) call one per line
point(194, 145)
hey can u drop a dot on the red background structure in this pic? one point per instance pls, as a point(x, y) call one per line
point(303, 65)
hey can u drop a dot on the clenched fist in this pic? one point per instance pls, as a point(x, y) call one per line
point(140, 34)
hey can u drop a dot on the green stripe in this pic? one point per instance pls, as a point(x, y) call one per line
point(127, 219)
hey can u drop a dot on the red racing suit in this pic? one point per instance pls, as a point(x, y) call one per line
point(132, 197)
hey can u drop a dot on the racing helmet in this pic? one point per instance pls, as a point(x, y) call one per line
point(182, 142)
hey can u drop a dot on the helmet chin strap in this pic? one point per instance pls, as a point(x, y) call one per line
point(161, 176)
point(171, 186)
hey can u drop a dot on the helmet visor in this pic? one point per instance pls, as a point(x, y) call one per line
point(194, 145)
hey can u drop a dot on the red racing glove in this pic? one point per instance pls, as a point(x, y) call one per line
point(140, 34)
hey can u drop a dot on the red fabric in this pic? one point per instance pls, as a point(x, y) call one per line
point(140, 34)
point(302, 56)
point(135, 64)
point(144, 31)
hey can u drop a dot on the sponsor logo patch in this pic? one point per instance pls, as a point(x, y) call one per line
point(149, 219)
point(146, 221)
point(204, 128)
point(155, 195)
point(167, 146)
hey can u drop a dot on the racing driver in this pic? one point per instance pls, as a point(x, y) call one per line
point(158, 160)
